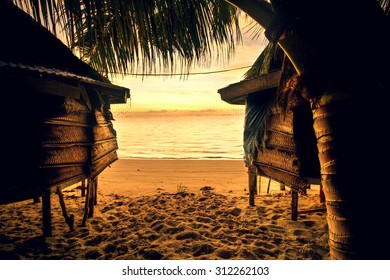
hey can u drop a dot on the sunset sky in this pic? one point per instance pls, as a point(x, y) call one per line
point(196, 92)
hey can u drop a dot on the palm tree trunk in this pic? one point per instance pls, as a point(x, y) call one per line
point(352, 154)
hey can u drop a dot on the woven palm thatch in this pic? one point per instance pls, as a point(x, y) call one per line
point(63, 132)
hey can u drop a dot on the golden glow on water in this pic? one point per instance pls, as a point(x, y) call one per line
point(181, 135)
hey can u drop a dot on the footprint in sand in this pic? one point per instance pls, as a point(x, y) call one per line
point(303, 233)
point(95, 240)
point(235, 212)
point(225, 253)
point(187, 235)
point(173, 230)
point(247, 255)
point(93, 254)
point(266, 245)
point(204, 249)
point(309, 223)
point(151, 254)
point(109, 248)
point(134, 211)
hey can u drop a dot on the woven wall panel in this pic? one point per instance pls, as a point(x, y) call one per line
point(65, 134)
point(280, 140)
point(281, 123)
point(291, 180)
point(71, 118)
point(69, 110)
point(71, 105)
point(99, 165)
point(100, 118)
point(56, 175)
point(65, 155)
point(103, 148)
point(104, 132)
point(279, 159)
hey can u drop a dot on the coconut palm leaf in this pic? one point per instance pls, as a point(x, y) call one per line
point(142, 36)
point(269, 60)
point(385, 5)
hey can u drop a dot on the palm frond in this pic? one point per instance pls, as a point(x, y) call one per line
point(385, 5)
point(119, 36)
point(270, 59)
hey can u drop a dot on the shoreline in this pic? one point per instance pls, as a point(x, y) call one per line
point(144, 176)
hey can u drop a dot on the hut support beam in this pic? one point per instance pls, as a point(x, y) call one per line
point(46, 214)
point(294, 205)
point(90, 200)
point(95, 191)
point(252, 180)
point(269, 185)
point(83, 188)
point(69, 219)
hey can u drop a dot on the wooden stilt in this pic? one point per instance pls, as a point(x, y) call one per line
point(259, 184)
point(69, 219)
point(95, 192)
point(269, 185)
point(46, 214)
point(322, 195)
point(87, 200)
point(91, 198)
point(294, 205)
point(252, 180)
point(83, 187)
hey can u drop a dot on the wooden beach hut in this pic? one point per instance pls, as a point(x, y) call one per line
point(57, 126)
point(278, 144)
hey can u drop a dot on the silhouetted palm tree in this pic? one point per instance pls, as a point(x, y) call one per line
point(340, 53)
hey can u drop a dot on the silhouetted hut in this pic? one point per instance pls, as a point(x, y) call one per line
point(56, 124)
point(278, 144)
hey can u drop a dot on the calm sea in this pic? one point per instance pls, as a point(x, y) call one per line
point(180, 136)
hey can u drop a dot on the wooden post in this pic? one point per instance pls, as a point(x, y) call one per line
point(91, 198)
point(259, 184)
point(269, 185)
point(282, 187)
point(87, 202)
point(252, 180)
point(322, 195)
point(46, 214)
point(294, 205)
point(83, 188)
point(95, 191)
point(69, 219)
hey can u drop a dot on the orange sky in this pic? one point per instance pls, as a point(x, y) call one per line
point(197, 92)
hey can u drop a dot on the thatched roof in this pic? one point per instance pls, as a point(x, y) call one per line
point(28, 49)
point(237, 93)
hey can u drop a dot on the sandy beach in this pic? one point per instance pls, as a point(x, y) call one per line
point(158, 209)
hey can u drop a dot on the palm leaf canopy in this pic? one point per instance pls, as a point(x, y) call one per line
point(117, 36)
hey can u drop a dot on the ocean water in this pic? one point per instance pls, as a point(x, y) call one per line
point(180, 135)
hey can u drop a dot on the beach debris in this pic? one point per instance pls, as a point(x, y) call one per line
point(181, 189)
point(206, 190)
